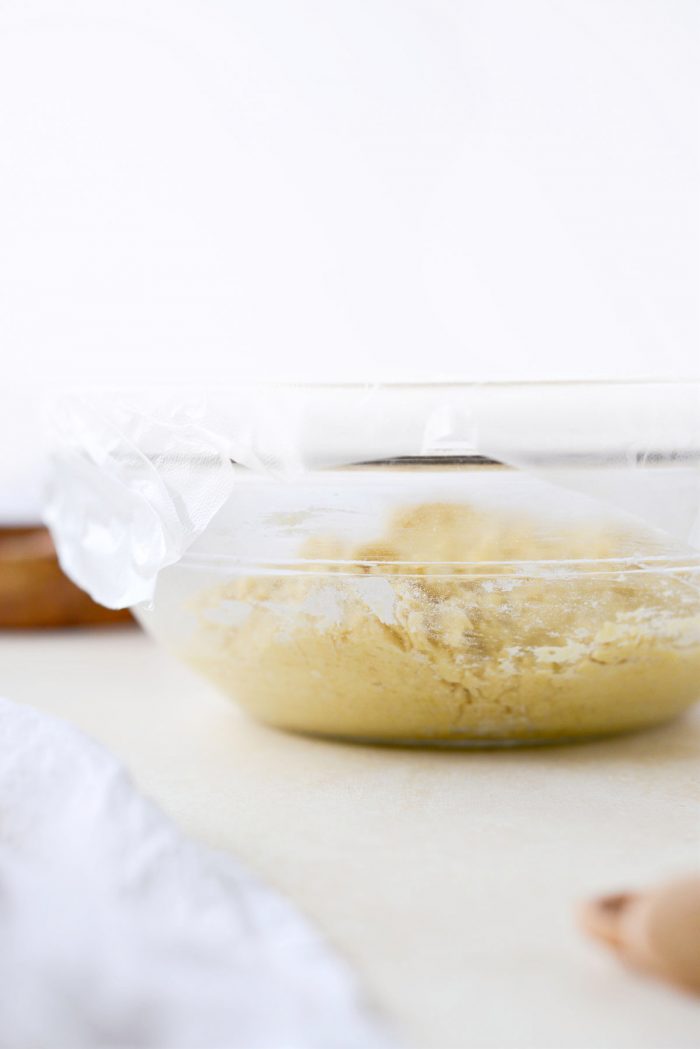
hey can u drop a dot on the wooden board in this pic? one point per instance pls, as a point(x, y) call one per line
point(34, 592)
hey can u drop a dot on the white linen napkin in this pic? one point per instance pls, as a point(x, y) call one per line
point(117, 931)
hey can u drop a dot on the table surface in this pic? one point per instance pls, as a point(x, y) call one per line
point(449, 878)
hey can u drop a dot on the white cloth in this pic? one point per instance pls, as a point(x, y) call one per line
point(117, 931)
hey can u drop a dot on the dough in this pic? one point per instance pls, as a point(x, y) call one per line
point(407, 646)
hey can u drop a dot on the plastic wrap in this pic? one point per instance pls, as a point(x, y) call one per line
point(139, 476)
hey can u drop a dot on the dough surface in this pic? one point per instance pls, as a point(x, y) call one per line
point(379, 649)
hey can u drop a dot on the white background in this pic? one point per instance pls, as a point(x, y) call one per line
point(343, 188)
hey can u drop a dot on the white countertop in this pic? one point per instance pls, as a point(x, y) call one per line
point(447, 877)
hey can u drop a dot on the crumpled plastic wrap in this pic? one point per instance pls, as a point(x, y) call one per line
point(138, 476)
point(124, 499)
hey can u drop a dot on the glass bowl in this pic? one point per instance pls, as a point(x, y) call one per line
point(454, 565)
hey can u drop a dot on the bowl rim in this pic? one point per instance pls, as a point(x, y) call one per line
point(553, 568)
point(253, 383)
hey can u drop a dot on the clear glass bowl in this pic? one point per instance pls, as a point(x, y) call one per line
point(528, 572)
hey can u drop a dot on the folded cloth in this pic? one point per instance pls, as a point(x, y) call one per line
point(117, 931)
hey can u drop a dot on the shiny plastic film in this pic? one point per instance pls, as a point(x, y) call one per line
point(134, 482)
point(256, 474)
